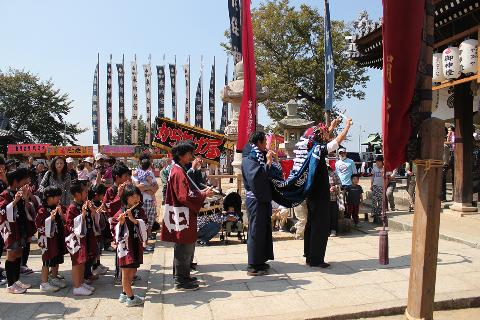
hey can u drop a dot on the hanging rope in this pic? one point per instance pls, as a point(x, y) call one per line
point(428, 164)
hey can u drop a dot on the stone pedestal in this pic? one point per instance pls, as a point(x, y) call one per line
point(232, 93)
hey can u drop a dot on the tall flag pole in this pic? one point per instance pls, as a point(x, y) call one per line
point(96, 104)
point(186, 69)
point(329, 63)
point(121, 100)
point(173, 83)
point(109, 101)
point(247, 122)
point(198, 100)
point(147, 69)
point(134, 103)
point(211, 97)
point(224, 120)
point(161, 89)
point(235, 29)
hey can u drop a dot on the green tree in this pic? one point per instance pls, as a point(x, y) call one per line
point(290, 58)
point(36, 109)
point(142, 132)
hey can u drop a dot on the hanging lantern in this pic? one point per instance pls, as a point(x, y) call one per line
point(437, 68)
point(451, 63)
point(468, 56)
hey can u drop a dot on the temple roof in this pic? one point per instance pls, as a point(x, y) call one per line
point(452, 17)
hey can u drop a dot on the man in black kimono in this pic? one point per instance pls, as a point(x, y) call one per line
point(317, 229)
point(257, 164)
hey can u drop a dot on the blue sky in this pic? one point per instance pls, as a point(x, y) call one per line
point(59, 40)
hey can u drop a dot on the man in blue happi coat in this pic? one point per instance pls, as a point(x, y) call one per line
point(257, 166)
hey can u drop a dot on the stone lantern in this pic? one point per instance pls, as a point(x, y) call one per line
point(293, 127)
point(232, 93)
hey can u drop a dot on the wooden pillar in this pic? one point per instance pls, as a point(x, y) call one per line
point(426, 220)
point(463, 184)
point(426, 224)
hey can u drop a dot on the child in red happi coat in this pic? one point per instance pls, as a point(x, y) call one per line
point(130, 236)
point(81, 236)
point(50, 223)
point(16, 216)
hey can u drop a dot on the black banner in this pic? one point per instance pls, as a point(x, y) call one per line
point(209, 144)
point(235, 30)
point(173, 82)
point(161, 91)
point(95, 108)
point(211, 98)
point(109, 103)
point(121, 103)
point(199, 105)
point(186, 69)
point(224, 120)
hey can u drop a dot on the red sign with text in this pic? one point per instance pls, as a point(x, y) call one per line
point(210, 145)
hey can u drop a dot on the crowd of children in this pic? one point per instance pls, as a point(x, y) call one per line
point(96, 215)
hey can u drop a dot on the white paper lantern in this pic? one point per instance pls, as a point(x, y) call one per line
point(437, 68)
point(451, 63)
point(468, 56)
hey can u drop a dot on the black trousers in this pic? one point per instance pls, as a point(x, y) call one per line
point(317, 229)
point(182, 257)
point(259, 242)
point(333, 215)
point(446, 167)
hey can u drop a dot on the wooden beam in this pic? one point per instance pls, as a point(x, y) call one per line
point(456, 82)
point(463, 184)
point(456, 37)
point(478, 57)
point(426, 219)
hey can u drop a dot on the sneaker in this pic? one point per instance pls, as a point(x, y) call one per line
point(122, 298)
point(81, 291)
point(25, 270)
point(3, 279)
point(136, 301)
point(47, 287)
point(322, 265)
point(59, 276)
point(117, 281)
point(333, 233)
point(103, 267)
point(88, 287)
point(16, 289)
point(264, 266)
point(23, 285)
point(149, 249)
point(57, 282)
point(99, 271)
point(187, 286)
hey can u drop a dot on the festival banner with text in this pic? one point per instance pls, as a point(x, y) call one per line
point(235, 29)
point(148, 96)
point(109, 102)
point(211, 97)
point(208, 144)
point(224, 120)
point(121, 102)
point(161, 90)
point(247, 122)
point(329, 66)
point(173, 83)
point(134, 123)
point(186, 69)
point(399, 74)
point(96, 108)
point(199, 105)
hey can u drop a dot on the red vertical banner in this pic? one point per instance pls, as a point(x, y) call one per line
point(401, 55)
point(247, 121)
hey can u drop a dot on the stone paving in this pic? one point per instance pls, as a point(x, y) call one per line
point(354, 283)
point(62, 304)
